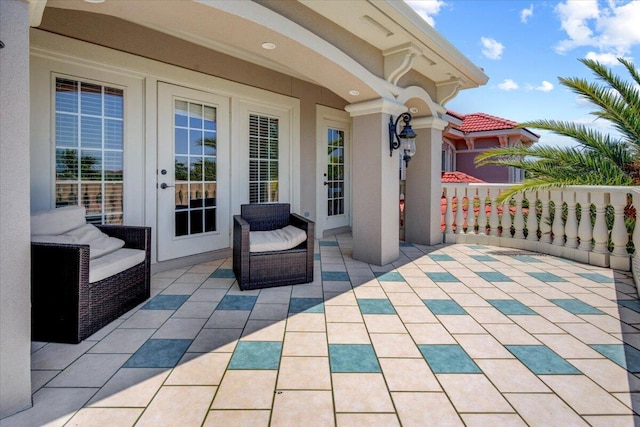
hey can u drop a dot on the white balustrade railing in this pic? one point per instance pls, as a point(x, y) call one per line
point(588, 224)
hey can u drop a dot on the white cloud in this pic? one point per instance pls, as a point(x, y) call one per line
point(508, 84)
point(610, 27)
point(427, 9)
point(609, 59)
point(545, 86)
point(525, 14)
point(491, 48)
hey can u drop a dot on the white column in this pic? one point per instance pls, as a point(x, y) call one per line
point(376, 185)
point(619, 236)
point(571, 226)
point(558, 225)
point(532, 217)
point(494, 219)
point(585, 230)
point(518, 219)
point(545, 227)
point(15, 283)
point(460, 195)
point(422, 215)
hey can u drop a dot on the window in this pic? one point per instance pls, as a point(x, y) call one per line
point(196, 164)
point(263, 159)
point(448, 157)
point(335, 172)
point(89, 141)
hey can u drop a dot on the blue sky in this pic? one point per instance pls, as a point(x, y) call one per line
point(524, 46)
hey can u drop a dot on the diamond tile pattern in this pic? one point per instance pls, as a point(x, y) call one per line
point(459, 334)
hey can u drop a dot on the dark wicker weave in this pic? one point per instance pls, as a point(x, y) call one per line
point(256, 270)
point(65, 307)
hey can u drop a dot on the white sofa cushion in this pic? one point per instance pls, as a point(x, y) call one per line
point(57, 221)
point(87, 234)
point(114, 263)
point(276, 240)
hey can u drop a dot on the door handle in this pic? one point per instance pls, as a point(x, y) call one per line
point(164, 185)
point(325, 183)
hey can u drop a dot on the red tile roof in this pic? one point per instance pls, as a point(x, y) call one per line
point(478, 122)
point(459, 178)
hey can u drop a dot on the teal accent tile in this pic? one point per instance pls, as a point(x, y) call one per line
point(222, 273)
point(477, 247)
point(547, 277)
point(159, 353)
point(237, 302)
point(375, 306)
point(510, 307)
point(346, 358)
point(448, 359)
point(630, 304)
point(623, 354)
point(493, 276)
point(441, 257)
point(541, 360)
point(442, 277)
point(483, 258)
point(328, 243)
point(596, 277)
point(256, 355)
point(526, 258)
point(391, 276)
point(335, 276)
point(165, 302)
point(575, 306)
point(444, 306)
point(306, 305)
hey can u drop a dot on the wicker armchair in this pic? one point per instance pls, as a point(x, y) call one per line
point(65, 307)
point(255, 270)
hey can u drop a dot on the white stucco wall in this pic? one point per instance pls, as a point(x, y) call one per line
point(15, 306)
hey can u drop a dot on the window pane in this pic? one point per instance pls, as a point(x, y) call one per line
point(181, 168)
point(195, 116)
point(195, 142)
point(90, 117)
point(210, 169)
point(181, 141)
point(210, 220)
point(263, 159)
point(210, 195)
point(210, 143)
point(180, 114)
point(181, 196)
point(196, 221)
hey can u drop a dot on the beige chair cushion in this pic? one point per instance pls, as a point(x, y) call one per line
point(114, 263)
point(276, 240)
point(57, 221)
point(88, 234)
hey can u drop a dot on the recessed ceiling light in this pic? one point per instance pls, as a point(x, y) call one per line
point(354, 92)
point(268, 45)
point(94, 1)
point(413, 110)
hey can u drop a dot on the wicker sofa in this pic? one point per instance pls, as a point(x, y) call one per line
point(268, 268)
point(69, 302)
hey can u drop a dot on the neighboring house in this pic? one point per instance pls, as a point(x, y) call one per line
point(172, 114)
point(470, 134)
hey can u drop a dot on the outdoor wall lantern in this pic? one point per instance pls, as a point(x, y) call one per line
point(405, 139)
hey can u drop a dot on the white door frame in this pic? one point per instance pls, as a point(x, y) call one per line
point(336, 119)
point(169, 245)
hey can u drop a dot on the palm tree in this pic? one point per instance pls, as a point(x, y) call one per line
point(599, 159)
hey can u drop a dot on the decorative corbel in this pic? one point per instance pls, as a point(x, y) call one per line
point(36, 10)
point(446, 91)
point(470, 142)
point(398, 61)
point(504, 140)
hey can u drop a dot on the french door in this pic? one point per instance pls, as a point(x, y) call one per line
point(193, 172)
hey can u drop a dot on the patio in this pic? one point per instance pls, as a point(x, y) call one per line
point(458, 334)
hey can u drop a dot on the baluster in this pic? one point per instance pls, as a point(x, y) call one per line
point(506, 218)
point(460, 193)
point(619, 236)
point(571, 226)
point(636, 229)
point(532, 218)
point(448, 214)
point(518, 219)
point(545, 227)
point(585, 231)
point(600, 232)
point(482, 213)
point(558, 225)
point(494, 219)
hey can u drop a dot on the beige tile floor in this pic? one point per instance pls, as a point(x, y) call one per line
point(448, 335)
